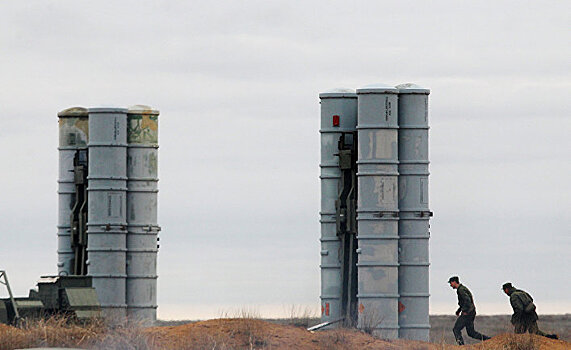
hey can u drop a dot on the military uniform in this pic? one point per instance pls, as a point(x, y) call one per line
point(524, 321)
point(467, 312)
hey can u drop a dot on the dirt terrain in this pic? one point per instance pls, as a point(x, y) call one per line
point(257, 334)
point(237, 333)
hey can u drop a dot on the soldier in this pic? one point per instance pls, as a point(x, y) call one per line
point(466, 312)
point(524, 317)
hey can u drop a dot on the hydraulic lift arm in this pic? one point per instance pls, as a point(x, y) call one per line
point(347, 224)
point(4, 276)
point(79, 214)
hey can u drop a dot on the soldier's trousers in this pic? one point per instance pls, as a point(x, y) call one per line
point(466, 321)
point(528, 326)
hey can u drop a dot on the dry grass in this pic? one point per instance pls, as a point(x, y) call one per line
point(250, 327)
point(63, 332)
point(55, 331)
point(336, 339)
point(521, 342)
point(299, 316)
point(370, 320)
point(241, 332)
point(239, 329)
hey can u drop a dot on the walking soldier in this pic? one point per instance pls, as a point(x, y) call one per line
point(466, 312)
point(524, 317)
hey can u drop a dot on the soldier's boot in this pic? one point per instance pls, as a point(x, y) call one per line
point(458, 336)
point(457, 330)
point(534, 329)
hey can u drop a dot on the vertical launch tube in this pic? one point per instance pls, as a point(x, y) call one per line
point(107, 219)
point(338, 115)
point(142, 235)
point(73, 136)
point(377, 210)
point(414, 212)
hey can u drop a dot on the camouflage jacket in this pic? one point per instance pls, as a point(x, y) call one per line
point(519, 299)
point(465, 300)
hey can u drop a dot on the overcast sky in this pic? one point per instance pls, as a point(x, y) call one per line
point(237, 86)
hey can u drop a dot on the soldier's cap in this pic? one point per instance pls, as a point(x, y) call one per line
point(507, 285)
point(454, 279)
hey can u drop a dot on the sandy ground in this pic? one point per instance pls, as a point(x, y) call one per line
point(256, 334)
point(240, 333)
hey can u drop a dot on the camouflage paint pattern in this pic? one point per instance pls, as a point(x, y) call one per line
point(143, 128)
point(73, 127)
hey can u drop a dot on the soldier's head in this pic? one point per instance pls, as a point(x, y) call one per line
point(507, 288)
point(454, 282)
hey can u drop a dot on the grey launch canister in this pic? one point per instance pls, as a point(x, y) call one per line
point(73, 135)
point(142, 235)
point(377, 210)
point(107, 203)
point(414, 212)
point(338, 114)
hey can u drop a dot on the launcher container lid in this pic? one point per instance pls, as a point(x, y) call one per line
point(377, 88)
point(73, 112)
point(338, 92)
point(412, 88)
point(142, 109)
